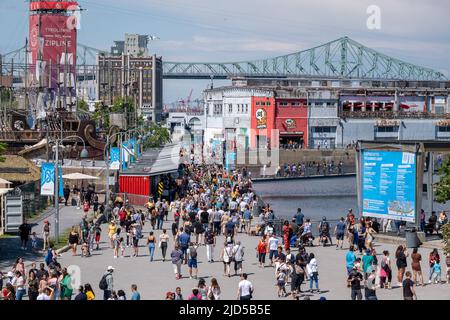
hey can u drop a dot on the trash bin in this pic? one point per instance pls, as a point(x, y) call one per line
point(412, 240)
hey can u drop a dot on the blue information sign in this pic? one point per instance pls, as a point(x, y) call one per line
point(388, 182)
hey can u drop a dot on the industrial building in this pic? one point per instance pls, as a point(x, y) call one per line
point(130, 76)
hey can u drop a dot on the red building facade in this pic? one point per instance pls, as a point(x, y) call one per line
point(289, 118)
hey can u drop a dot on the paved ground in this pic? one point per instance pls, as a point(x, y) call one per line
point(10, 247)
point(155, 278)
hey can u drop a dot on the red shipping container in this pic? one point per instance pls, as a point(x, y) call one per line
point(138, 185)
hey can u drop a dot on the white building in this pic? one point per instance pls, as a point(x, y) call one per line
point(228, 114)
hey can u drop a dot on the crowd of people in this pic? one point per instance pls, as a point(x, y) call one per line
point(309, 168)
point(213, 210)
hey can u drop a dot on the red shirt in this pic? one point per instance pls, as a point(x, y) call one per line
point(122, 215)
point(262, 247)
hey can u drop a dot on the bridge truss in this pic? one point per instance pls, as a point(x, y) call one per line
point(343, 58)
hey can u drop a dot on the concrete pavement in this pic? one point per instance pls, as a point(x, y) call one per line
point(155, 278)
point(10, 247)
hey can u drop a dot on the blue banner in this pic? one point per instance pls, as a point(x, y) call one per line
point(133, 150)
point(114, 162)
point(61, 183)
point(47, 179)
point(388, 183)
point(230, 161)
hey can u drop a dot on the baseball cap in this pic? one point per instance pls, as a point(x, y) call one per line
point(110, 268)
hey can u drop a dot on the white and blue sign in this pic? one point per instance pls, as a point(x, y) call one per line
point(389, 185)
point(47, 179)
point(133, 150)
point(125, 155)
point(114, 163)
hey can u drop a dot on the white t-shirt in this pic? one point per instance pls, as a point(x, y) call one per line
point(43, 296)
point(273, 243)
point(245, 287)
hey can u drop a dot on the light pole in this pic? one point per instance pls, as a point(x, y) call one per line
point(84, 154)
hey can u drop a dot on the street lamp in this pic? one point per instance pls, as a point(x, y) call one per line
point(84, 154)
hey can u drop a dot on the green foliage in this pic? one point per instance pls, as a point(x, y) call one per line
point(443, 186)
point(120, 104)
point(159, 137)
point(3, 147)
point(446, 237)
point(83, 106)
point(101, 115)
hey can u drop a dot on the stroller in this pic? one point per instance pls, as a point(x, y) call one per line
point(306, 239)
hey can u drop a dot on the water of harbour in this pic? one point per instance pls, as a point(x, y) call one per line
point(330, 197)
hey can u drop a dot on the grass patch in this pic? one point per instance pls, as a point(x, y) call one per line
point(7, 236)
point(63, 239)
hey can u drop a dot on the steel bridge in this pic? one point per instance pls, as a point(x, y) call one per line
point(343, 58)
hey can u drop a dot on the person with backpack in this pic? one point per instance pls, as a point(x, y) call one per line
point(210, 244)
point(227, 257)
point(385, 271)
point(324, 231)
point(192, 263)
point(107, 283)
point(184, 239)
point(177, 259)
point(238, 254)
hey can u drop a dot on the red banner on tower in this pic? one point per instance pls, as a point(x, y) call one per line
point(53, 40)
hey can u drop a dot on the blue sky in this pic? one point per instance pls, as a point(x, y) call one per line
point(230, 30)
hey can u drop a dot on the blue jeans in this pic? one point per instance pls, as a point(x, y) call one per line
point(151, 248)
point(20, 293)
point(314, 278)
point(160, 222)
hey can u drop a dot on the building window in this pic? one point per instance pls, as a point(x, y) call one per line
point(387, 129)
point(230, 108)
point(324, 129)
point(268, 103)
point(246, 108)
point(257, 103)
point(283, 104)
point(444, 128)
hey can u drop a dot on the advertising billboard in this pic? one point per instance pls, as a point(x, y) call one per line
point(53, 40)
point(388, 183)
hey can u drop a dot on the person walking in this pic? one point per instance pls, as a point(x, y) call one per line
point(210, 239)
point(66, 287)
point(46, 234)
point(238, 254)
point(416, 267)
point(385, 271)
point(350, 259)
point(107, 283)
point(135, 295)
point(313, 272)
point(192, 262)
point(370, 287)
point(33, 286)
point(401, 254)
point(409, 292)
point(163, 243)
point(24, 233)
point(261, 249)
point(177, 257)
point(74, 239)
point(354, 282)
point(227, 257)
point(19, 285)
point(151, 241)
point(214, 290)
point(245, 288)
point(339, 232)
point(432, 260)
point(273, 248)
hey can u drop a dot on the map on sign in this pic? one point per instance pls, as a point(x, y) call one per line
point(389, 185)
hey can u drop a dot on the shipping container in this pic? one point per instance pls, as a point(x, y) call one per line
point(137, 188)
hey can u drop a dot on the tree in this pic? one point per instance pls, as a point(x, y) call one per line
point(446, 237)
point(82, 105)
point(443, 186)
point(159, 136)
point(3, 147)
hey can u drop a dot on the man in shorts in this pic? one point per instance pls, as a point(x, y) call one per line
point(192, 262)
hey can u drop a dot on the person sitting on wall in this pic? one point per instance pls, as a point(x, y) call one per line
point(431, 225)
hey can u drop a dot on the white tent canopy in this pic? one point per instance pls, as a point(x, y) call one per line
point(78, 176)
point(3, 181)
